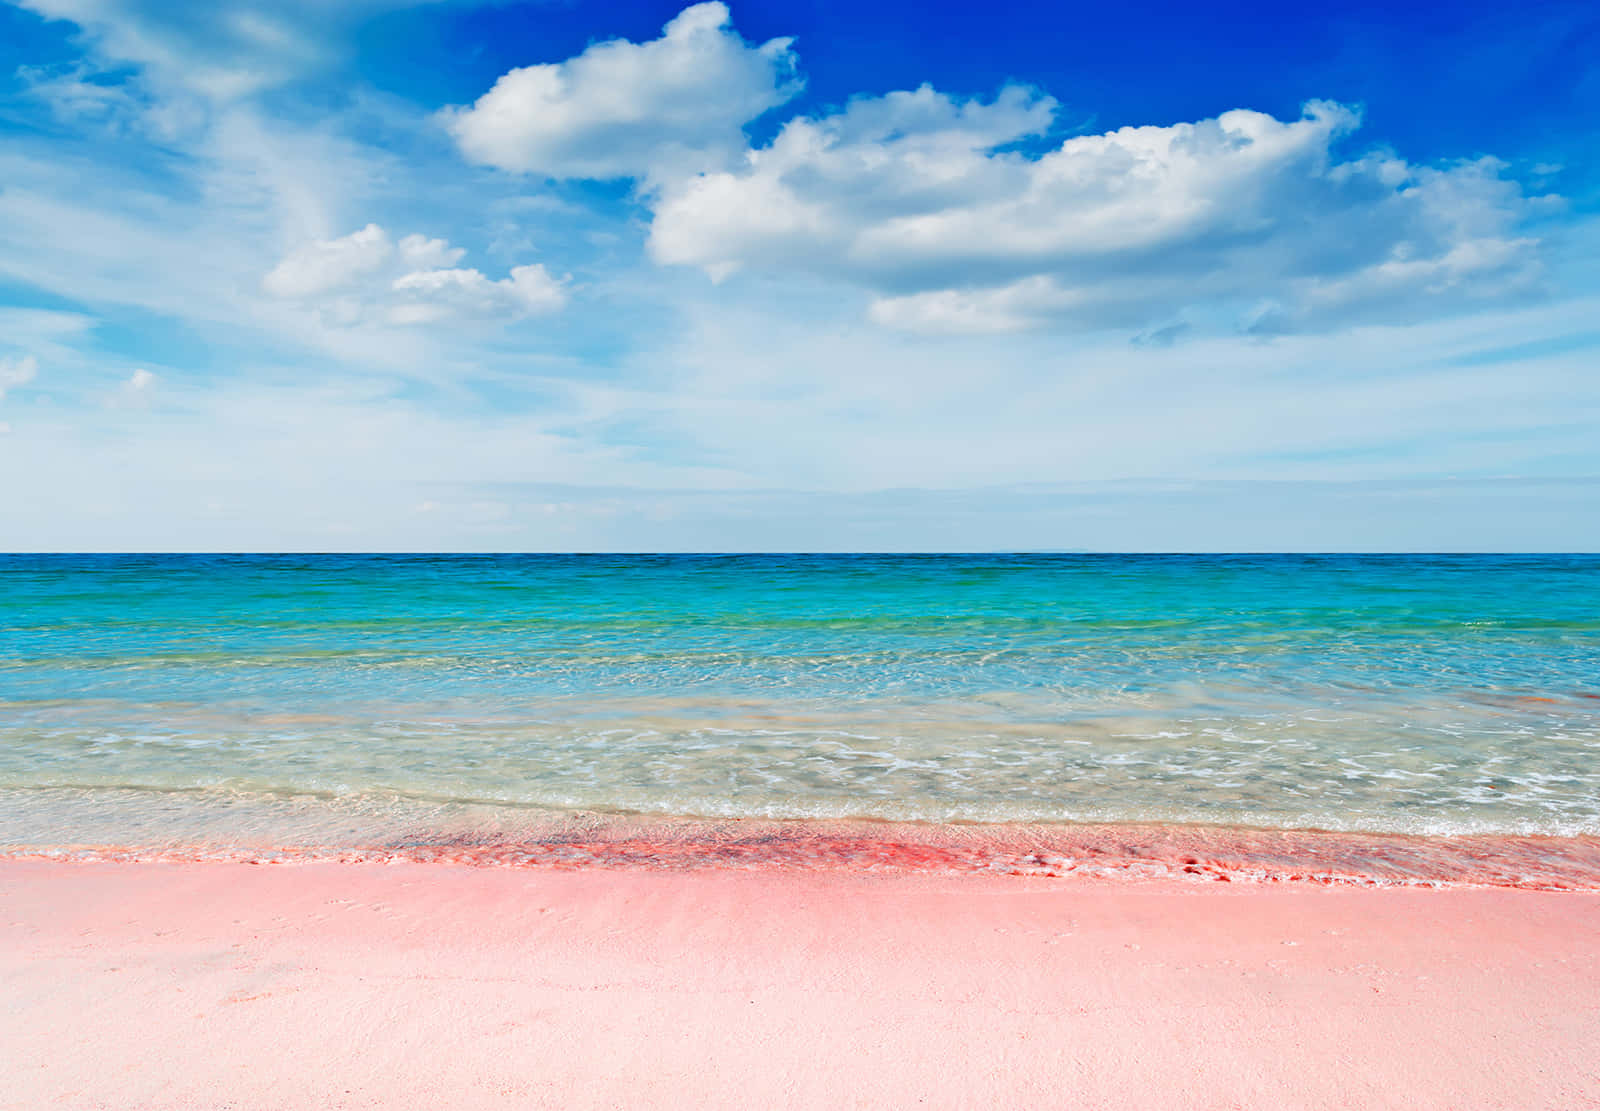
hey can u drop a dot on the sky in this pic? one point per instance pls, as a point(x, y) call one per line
point(579, 276)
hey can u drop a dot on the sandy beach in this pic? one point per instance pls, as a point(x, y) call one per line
point(190, 985)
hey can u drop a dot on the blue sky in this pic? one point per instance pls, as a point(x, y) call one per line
point(390, 274)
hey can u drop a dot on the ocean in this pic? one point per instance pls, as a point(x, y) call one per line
point(255, 703)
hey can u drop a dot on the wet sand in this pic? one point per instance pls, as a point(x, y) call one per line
point(203, 985)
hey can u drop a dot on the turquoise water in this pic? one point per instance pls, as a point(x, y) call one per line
point(158, 699)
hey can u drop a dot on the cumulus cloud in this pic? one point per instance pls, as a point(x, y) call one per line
point(928, 203)
point(418, 252)
point(365, 278)
point(329, 264)
point(17, 371)
point(429, 295)
point(623, 109)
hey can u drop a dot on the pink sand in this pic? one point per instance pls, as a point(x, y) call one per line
point(417, 985)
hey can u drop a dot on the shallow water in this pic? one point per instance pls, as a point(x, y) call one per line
point(156, 700)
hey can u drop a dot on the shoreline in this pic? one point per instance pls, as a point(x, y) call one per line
point(188, 985)
point(1103, 851)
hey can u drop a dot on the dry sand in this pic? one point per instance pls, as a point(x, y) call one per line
point(211, 985)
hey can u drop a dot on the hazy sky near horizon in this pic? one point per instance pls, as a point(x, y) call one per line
point(569, 275)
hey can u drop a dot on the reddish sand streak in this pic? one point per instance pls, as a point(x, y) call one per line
point(1196, 853)
point(410, 985)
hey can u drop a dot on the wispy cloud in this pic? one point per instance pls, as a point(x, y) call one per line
point(220, 50)
point(17, 370)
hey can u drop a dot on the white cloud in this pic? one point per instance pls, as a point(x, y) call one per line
point(418, 252)
point(623, 109)
point(329, 264)
point(17, 371)
point(364, 278)
point(140, 386)
point(429, 295)
point(1009, 308)
point(925, 202)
